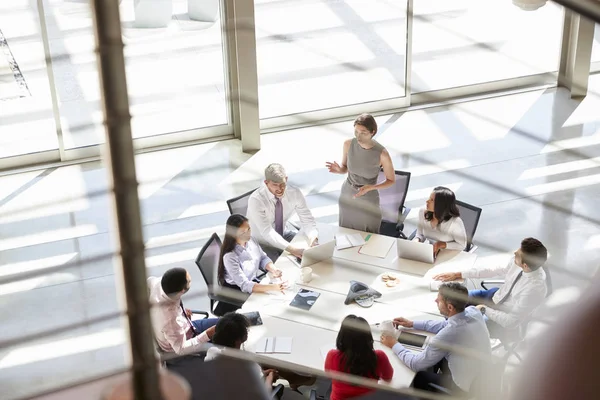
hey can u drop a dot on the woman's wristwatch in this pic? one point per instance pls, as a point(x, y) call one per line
point(482, 309)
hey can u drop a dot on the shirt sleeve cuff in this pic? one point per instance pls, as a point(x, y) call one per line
point(203, 338)
point(397, 349)
point(419, 325)
point(264, 262)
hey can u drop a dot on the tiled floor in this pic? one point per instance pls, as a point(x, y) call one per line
point(531, 160)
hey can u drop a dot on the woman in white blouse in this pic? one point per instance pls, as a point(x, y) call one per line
point(440, 221)
point(240, 260)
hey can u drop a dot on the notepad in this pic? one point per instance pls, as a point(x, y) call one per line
point(378, 246)
point(347, 241)
point(272, 344)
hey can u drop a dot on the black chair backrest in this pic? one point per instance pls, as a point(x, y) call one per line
point(212, 379)
point(392, 199)
point(239, 205)
point(208, 260)
point(470, 217)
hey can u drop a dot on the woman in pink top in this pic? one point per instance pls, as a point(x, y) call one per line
point(355, 355)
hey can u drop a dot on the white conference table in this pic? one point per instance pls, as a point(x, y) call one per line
point(317, 328)
point(310, 345)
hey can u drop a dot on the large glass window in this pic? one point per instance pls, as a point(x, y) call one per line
point(318, 54)
point(26, 118)
point(175, 74)
point(466, 42)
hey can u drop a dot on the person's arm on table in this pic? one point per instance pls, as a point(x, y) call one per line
point(387, 371)
point(474, 273)
point(427, 326)
point(416, 361)
point(234, 271)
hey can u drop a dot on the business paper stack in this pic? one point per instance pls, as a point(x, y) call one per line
point(348, 241)
point(271, 344)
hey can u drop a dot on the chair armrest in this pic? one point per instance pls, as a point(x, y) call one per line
point(294, 225)
point(200, 313)
point(412, 235)
point(313, 395)
point(404, 214)
point(439, 389)
point(473, 248)
point(277, 392)
point(260, 276)
point(491, 282)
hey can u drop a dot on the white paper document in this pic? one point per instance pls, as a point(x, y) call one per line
point(272, 344)
point(378, 246)
point(347, 241)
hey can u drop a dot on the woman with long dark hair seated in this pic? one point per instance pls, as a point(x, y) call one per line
point(440, 221)
point(355, 355)
point(240, 260)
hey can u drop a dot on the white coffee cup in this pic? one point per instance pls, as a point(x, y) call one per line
point(306, 274)
point(387, 327)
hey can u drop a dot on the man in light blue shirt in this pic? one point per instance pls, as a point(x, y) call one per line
point(461, 348)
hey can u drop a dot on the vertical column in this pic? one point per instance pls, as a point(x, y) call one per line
point(131, 266)
point(51, 81)
point(576, 53)
point(243, 76)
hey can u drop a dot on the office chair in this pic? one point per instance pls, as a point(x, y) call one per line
point(391, 201)
point(239, 205)
point(208, 264)
point(470, 216)
point(212, 380)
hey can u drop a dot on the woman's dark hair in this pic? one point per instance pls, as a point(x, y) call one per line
point(367, 121)
point(231, 328)
point(444, 206)
point(355, 341)
point(174, 281)
point(229, 242)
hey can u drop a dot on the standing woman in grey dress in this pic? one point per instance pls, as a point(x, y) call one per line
point(362, 159)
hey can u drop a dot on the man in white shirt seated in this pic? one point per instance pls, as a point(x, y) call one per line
point(524, 288)
point(174, 330)
point(463, 330)
point(271, 206)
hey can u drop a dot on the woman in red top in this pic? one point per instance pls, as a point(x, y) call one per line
point(355, 355)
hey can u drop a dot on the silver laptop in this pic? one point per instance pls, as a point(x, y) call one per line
point(315, 254)
point(416, 251)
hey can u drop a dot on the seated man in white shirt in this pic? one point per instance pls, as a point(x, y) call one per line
point(464, 329)
point(271, 206)
point(524, 288)
point(174, 330)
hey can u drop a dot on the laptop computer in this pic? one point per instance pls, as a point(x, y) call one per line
point(315, 254)
point(416, 251)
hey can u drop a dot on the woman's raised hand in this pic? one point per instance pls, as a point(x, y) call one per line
point(334, 167)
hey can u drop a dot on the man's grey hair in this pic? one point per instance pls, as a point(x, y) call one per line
point(275, 173)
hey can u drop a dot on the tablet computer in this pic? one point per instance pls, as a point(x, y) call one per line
point(254, 318)
point(412, 339)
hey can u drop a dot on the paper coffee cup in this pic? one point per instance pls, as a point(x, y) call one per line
point(306, 274)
